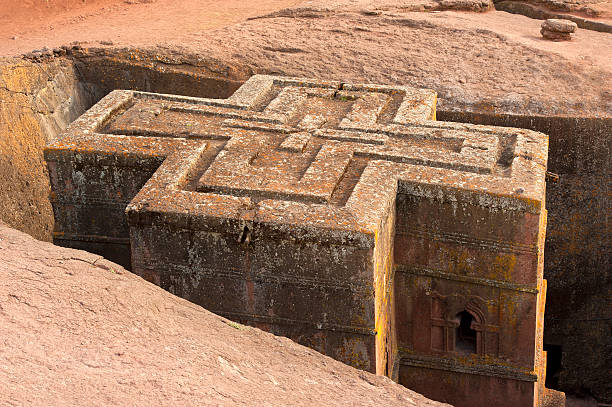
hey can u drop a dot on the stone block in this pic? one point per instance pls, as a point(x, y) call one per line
point(342, 216)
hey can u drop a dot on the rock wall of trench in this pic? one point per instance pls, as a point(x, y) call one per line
point(37, 100)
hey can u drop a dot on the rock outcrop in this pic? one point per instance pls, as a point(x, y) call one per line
point(558, 29)
point(77, 329)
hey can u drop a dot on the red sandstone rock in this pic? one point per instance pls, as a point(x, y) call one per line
point(558, 29)
point(77, 329)
point(559, 25)
point(556, 79)
point(555, 36)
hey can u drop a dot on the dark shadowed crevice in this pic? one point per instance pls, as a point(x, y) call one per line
point(465, 336)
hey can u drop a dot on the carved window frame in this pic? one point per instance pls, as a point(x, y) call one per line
point(451, 306)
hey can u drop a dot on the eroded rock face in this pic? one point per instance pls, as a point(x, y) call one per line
point(559, 25)
point(36, 102)
point(577, 237)
point(79, 330)
point(555, 36)
point(558, 29)
point(43, 92)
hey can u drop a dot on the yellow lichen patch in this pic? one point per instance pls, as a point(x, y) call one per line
point(24, 183)
point(459, 261)
point(19, 78)
point(503, 266)
point(355, 353)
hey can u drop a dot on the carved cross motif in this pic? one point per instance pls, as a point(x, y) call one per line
point(304, 142)
point(277, 206)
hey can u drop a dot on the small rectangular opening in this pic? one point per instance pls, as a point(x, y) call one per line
point(553, 365)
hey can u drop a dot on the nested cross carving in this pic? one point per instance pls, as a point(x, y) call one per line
point(291, 150)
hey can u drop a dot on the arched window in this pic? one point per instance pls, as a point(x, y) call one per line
point(465, 336)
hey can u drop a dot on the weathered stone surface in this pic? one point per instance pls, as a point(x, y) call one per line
point(534, 11)
point(79, 330)
point(553, 398)
point(38, 99)
point(558, 29)
point(543, 9)
point(578, 240)
point(553, 97)
point(36, 102)
point(555, 36)
point(339, 215)
point(156, 70)
point(559, 25)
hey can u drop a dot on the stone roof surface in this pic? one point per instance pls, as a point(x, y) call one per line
point(306, 153)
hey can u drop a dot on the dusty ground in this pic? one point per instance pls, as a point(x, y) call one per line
point(33, 24)
point(79, 330)
point(493, 60)
point(487, 61)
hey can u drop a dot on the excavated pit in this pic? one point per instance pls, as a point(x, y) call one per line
point(40, 97)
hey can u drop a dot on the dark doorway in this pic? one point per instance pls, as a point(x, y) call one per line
point(553, 365)
point(465, 336)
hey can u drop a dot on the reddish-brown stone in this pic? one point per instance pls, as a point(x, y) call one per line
point(79, 330)
point(342, 216)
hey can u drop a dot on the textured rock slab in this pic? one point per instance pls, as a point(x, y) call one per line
point(79, 330)
point(558, 29)
point(555, 36)
point(36, 102)
point(559, 25)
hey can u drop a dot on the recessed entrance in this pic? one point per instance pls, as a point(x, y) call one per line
point(465, 336)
